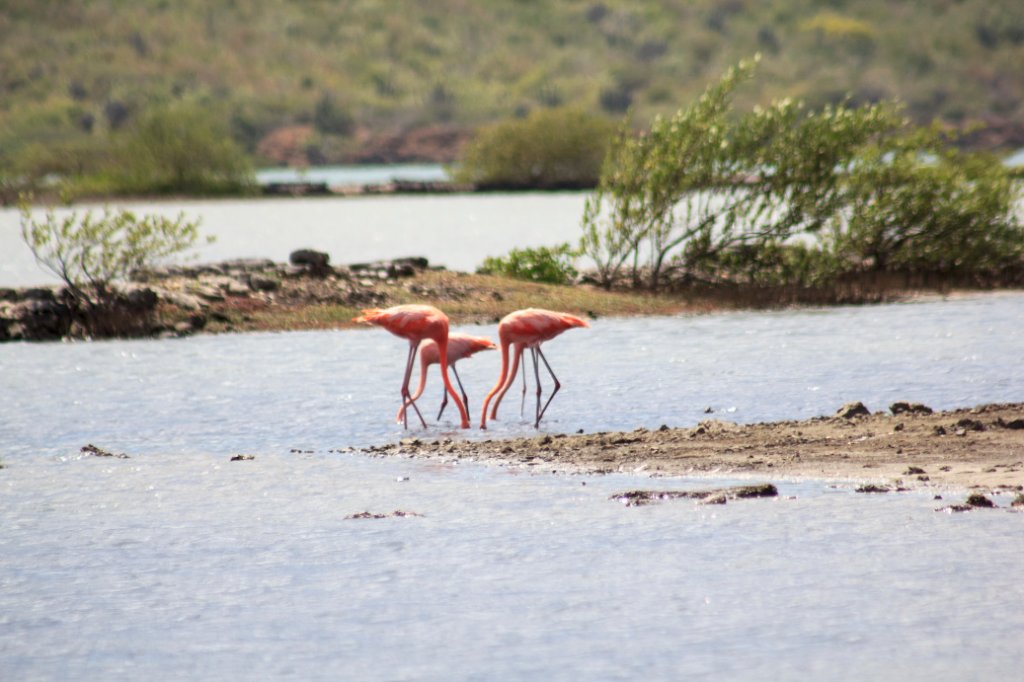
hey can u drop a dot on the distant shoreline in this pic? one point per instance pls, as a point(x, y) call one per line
point(260, 295)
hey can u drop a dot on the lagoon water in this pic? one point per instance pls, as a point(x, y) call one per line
point(177, 563)
point(369, 174)
point(457, 231)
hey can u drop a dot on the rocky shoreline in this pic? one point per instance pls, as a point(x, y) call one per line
point(184, 299)
point(906, 446)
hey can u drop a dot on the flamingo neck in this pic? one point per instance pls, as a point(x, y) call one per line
point(497, 386)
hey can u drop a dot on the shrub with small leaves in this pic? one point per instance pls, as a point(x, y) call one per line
point(552, 265)
point(89, 253)
point(550, 148)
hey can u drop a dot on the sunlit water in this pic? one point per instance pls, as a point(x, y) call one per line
point(192, 567)
point(457, 231)
point(327, 389)
point(372, 174)
point(177, 563)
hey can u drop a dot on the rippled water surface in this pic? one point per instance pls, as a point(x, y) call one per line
point(177, 563)
point(191, 567)
point(327, 389)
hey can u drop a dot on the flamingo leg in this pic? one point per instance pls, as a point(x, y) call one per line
point(406, 397)
point(522, 402)
point(558, 385)
point(465, 398)
point(444, 402)
point(536, 378)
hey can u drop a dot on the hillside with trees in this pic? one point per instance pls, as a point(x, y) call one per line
point(365, 80)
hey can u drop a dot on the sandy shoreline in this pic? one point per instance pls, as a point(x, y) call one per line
point(976, 448)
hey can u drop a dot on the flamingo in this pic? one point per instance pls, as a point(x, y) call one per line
point(524, 329)
point(460, 346)
point(416, 323)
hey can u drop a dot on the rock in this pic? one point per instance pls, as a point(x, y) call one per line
point(263, 283)
point(39, 294)
point(979, 500)
point(853, 410)
point(970, 424)
point(902, 407)
point(638, 498)
point(249, 264)
point(397, 270)
point(194, 323)
point(292, 271)
point(398, 513)
point(182, 300)
point(92, 450)
point(418, 262)
point(872, 488)
point(42, 319)
point(235, 288)
point(207, 292)
point(315, 263)
point(141, 298)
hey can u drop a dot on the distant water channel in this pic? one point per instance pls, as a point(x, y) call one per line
point(177, 563)
point(341, 176)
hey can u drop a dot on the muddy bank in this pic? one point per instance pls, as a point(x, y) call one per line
point(904, 446)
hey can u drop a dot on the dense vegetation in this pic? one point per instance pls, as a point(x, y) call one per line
point(319, 81)
point(548, 264)
point(561, 148)
point(786, 195)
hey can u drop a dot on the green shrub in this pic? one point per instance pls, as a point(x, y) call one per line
point(181, 148)
point(552, 265)
point(921, 208)
point(718, 195)
point(550, 148)
point(330, 117)
point(89, 254)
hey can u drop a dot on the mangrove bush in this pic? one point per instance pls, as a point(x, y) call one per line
point(548, 149)
point(549, 264)
point(90, 253)
point(784, 195)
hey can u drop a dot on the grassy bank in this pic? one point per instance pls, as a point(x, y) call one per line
point(483, 299)
point(466, 298)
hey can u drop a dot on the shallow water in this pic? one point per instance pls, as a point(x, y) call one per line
point(327, 389)
point(187, 566)
point(177, 563)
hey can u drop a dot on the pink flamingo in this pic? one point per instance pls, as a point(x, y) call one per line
point(416, 323)
point(527, 328)
point(460, 347)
